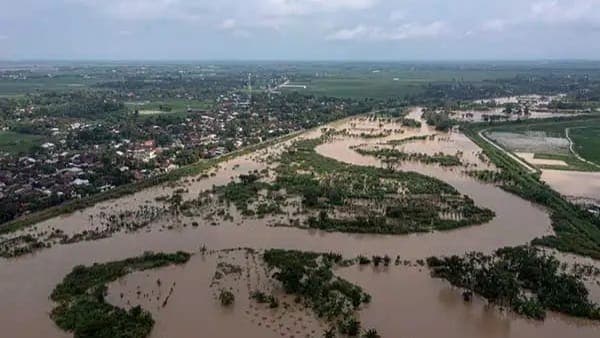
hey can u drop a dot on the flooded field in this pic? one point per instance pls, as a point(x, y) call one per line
point(538, 100)
point(484, 115)
point(406, 301)
point(531, 142)
point(574, 184)
point(537, 108)
point(559, 167)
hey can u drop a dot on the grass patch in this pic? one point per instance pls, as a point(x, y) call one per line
point(16, 143)
point(63, 83)
point(587, 142)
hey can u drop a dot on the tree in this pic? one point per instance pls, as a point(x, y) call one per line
point(371, 333)
point(329, 333)
point(350, 327)
point(226, 298)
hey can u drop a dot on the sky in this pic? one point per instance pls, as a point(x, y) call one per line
point(299, 29)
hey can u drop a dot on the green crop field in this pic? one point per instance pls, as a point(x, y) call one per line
point(585, 134)
point(358, 87)
point(362, 83)
point(15, 143)
point(63, 83)
point(587, 142)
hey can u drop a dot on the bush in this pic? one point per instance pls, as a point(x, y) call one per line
point(226, 297)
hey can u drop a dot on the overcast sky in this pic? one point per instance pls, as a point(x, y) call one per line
point(300, 29)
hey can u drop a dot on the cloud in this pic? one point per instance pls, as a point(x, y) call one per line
point(560, 12)
point(397, 16)
point(228, 24)
point(357, 32)
point(495, 25)
point(232, 26)
point(241, 33)
point(202, 9)
point(402, 32)
point(304, 7)
point(141, 10)
point(541, 15)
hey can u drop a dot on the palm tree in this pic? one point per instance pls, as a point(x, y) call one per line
point(329, 333)
point(371, 333)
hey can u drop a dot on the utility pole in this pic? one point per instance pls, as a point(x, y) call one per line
point(250, 92)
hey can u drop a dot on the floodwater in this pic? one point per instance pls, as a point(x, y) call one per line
point(480, 115)
point(538, 106)
point(574, 184)
point(405, 303)
point(538, 100)
point(187, 298)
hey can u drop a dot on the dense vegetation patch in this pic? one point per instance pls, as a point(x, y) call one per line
point(439, 119)
point(83, 310)
point(398, 142)
point(348, 198)
point(375, 200)
point(309, 276)
point(247, 191)
point(522, 278)
point(389, 154)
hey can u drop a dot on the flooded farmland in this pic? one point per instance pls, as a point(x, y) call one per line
point(406, 301)
point(574, 184)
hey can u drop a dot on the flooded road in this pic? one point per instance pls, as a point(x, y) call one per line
point(406, 302)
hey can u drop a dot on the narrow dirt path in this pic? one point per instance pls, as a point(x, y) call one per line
point(572, 149)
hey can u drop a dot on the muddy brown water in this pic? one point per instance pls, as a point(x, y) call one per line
point(574, 184)
point(406, 302)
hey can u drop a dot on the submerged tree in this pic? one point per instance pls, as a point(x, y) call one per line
point(226, 297)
